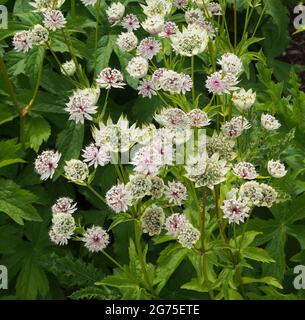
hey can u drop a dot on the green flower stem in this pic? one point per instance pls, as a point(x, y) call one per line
point(138, 233)
point(118, 171)
point(60, 64)
point(9, 85)
point(96, 193)
point(28, 107)
point(193, 78)
point(73, 9)
point(259, 21)
point(102, 114)
point(217, 211)
point(98, 6)
point(71, 50)
point(202, 251)
point(235, 24)
point(113, 260)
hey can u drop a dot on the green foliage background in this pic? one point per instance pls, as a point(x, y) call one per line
point(38, 269)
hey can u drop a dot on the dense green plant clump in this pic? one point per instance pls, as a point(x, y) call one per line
point(150, 150)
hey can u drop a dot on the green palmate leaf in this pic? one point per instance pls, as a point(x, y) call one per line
point(104, 52)
point(69, 143)
point(124, 58)
point(32, 281)
point(71, 271)
point(95, 293)
point(275, 232)
point(33, 64)
point(10, 152)
point(120, 280)
point(266, 280)
point(17, 203)
point(257, 254)
point(121, 218)
point(7, 113)
point(37, 130)
point(169, 260)
point(196, 285)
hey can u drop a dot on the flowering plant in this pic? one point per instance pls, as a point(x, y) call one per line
point(153, 138)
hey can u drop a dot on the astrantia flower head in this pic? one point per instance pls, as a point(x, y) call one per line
point(214, 9)
point(89, 2)
point(175, 224)
point(63, 226)
point(180, 4)
point(189, 236)
point(269, 122)
point(172, 117)
point(215, 172)
point(96, 239)
point(39, 35)
point(153, 220)
point(110, 78)
point(198, 118)
point(22, 41)
point(153, 25)
point(118, 198)
point(137, 67)
point(76, 171)
point(147, 88)
point(116, 136)
point(219, 83)
point(235, 127)
point(96, 156)
point(127, 41)
point(148, 48)
point(230, 64)
point(187, 83)
point(139, 186)
point(193, 16)
point(276, 169)
point(43, 5)
point(131, 22)
point(64, 205)
point(80, 107)
point(175, 193)
point(54, 20)
point(147, 161)
point(68, 68)
point(169, 29)
point(256, 194)
point(46, 163)
point(171, 81)
point(115, 12)
point(245, 170)
point(243, 100)
point(191, 41)
point(221, 145)
point(157, 7)
point(157, 187)
point(235, 210)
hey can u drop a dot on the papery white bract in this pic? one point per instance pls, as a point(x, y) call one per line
point(96, 239)
point(245, 170)
point(131, 22)
point(76, 171)
point(118, 198)
point(96, 156)
point(22, 41)
point(137, 67)
point(110, 78)
point(64, 205)
point(127, 41)
point(269, 122)
point(176, 193)
point(276, 169)
point(54, 20)
point(46, 163)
